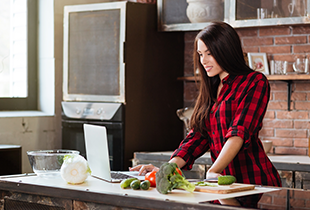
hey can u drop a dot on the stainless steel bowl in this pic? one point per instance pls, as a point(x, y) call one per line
point(48, 162)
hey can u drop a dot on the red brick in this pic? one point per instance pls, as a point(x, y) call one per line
point(278, 86)
point(302, 86)
point(265, 199)
point(273, 207)
point(290, 151)
point(244, 32)
point(284, 57)
point(256, 41)
point(290, 67)
point(279, 96)
point(301, 49)
point(304, 29)
point(301, 124)
point(291, 133)
point(285, 142)
point(296, 96)
point(291, 40)
point(267, 132)
point(282, 105)
point(275, 49)
point(300, 194)
point(278, 123)
point(297, 202)
point(308, 96)
point(275, 30)
point(250, 49)
point(308, 203)
point(302, 105)
point(278, 193)
point(279, 201)
point(300, 142)
point(292, 115)
point(270, 114)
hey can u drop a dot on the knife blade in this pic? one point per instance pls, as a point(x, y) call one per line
point(203, 180)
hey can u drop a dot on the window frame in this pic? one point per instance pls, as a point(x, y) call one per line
point(30, 102)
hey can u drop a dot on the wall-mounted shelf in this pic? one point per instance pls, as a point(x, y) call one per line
point(285, 78)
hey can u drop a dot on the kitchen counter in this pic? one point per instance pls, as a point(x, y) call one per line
point(55, 191)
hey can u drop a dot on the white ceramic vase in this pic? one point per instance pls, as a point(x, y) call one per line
point(204, 10)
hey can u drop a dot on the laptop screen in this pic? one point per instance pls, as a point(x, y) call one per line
point(97, 151)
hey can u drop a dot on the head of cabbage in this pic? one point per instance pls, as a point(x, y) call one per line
point(75, 169)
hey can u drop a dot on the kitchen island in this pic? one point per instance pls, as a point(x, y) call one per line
point(34, 192)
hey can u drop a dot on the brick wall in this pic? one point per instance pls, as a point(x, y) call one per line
point(278, 200)
point(288, 130)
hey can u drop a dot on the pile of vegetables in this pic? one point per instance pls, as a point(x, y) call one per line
point(170, 177)
point(135, 184)
point(74, 169)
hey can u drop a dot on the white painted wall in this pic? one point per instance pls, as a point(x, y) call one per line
point(38, 130)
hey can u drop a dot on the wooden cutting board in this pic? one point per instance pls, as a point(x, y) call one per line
point(223, 189)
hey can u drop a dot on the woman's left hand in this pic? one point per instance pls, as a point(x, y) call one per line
point(144, 169)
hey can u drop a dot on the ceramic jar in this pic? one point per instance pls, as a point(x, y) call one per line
point(204, 10)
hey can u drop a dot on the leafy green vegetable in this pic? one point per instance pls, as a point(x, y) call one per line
point(168, 178)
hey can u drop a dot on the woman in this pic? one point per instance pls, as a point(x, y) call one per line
point(228, 114)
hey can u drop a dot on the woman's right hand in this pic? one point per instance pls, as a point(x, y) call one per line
point(212, 175)
point(144, 169)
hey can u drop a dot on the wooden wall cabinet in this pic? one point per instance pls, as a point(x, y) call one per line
point(172, 15)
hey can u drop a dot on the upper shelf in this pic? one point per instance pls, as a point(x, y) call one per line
point(185, 15)
point(269, 77)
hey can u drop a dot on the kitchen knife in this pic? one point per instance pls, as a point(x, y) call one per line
point(203, 180)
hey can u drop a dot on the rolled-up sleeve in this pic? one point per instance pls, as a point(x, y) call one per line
point(250, 112)
point(191, 148)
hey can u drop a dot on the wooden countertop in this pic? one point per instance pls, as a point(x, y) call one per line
point(281, 162)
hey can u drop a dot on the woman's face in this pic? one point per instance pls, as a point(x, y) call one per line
point(208, 62)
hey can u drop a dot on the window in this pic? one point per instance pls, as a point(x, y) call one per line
point(18, 55)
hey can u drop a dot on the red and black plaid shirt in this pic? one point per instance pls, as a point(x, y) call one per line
point(242, 104)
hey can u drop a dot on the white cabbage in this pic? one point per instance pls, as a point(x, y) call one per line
point(75, 169)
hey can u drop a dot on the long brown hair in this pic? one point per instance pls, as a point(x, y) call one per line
point(224, 45)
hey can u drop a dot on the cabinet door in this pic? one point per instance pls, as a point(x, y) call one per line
point(182, 14)
point(247, 13)
point(94, 37)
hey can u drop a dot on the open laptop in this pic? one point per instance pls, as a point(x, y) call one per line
point(97, 154)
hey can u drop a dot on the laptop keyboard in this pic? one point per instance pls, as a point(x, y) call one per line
point(116, 175)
